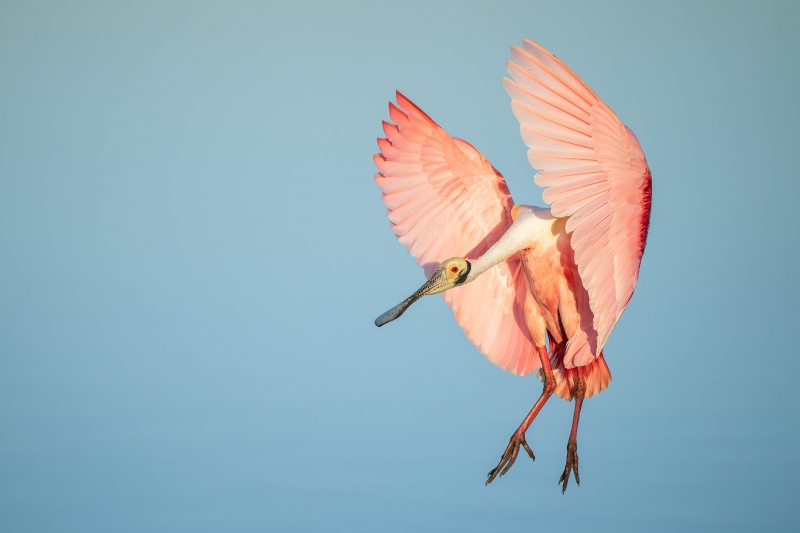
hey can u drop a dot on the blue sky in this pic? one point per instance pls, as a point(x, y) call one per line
point(192, 252)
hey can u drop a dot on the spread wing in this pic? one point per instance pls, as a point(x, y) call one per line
point(593, 171)
point(444, 199)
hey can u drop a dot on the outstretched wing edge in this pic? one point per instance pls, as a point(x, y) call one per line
point(594, 172)
point(444, 199)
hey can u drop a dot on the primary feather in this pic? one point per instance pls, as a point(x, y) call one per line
point(594, 172)
point(444, 199)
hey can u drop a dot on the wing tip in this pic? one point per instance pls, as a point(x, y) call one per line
point(529, 43)
point(393, 109)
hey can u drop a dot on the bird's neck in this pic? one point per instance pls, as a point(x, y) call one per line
point(531, 225)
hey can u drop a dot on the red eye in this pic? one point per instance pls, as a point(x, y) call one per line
point(454, 270)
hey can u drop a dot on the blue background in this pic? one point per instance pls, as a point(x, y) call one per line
point(192, 252)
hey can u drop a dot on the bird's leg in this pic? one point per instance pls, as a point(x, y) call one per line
point(572, 443)
point(518, 438)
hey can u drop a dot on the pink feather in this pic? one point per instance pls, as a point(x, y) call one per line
point(609, 268)
point(444, 199)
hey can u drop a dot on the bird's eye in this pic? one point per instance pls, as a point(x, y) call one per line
point(454, 269)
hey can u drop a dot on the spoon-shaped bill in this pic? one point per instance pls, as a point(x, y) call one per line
point(437, 283)
point(395, 312)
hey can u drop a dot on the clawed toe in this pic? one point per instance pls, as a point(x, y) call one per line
point(572, 466)
point(509, 456)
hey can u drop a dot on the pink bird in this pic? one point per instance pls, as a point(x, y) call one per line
point(533, 288)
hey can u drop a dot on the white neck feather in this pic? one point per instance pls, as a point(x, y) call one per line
point(532, 225)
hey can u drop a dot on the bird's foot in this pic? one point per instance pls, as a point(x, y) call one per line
point(510, 455)
point(572, 465)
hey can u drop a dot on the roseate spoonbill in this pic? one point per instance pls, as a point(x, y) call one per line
point(533, 288)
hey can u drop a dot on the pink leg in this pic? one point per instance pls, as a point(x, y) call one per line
point(572, 443)
point(518, 438)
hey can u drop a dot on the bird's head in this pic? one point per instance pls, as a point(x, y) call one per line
point(451, 273)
